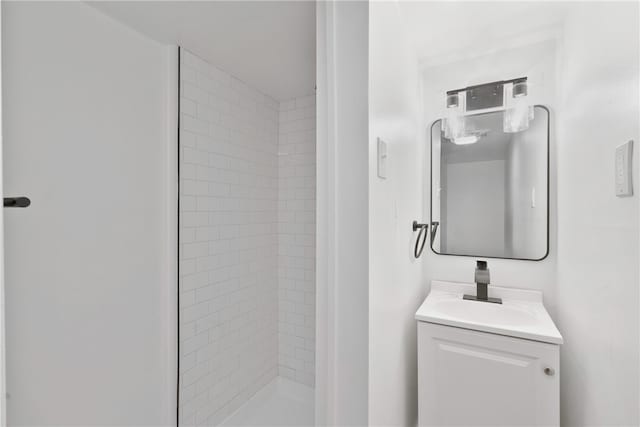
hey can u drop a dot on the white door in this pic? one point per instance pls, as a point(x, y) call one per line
point(478, 379)
point(86, 265)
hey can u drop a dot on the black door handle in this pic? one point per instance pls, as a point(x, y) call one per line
point(16, 202)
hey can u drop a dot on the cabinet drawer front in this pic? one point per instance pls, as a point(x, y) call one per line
point(476, 378)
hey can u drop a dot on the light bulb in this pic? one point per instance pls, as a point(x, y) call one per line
point(466, 140)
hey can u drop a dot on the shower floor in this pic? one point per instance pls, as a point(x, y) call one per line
point(280, 403)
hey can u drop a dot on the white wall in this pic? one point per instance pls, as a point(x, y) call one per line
point(87, 265)
point(342, 274)
point(296, 239)
point(598, 252)
point(228, 231)
point(396, 288)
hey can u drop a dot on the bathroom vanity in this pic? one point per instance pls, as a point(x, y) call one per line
point(481, 363)
point(487, 355)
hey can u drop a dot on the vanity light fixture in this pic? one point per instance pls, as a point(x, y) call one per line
point(509, 95)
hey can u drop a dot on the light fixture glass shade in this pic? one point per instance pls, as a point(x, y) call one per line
point(454, 122)
point(518, 112)
point(517, 119)
point(520, 89)
point(452, 100)
point(454, 127)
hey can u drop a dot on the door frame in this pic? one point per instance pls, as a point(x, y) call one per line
point(3, 394)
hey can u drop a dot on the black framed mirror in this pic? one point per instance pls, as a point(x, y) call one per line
point(490, 187)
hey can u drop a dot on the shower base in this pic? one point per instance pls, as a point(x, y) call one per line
point(280, 403)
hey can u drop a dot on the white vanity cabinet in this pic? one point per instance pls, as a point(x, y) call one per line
point(470, 378)
point(478, 364)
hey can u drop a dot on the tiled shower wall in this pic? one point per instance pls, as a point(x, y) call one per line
point(228, 233)
point(296, 239)
point(247, 241)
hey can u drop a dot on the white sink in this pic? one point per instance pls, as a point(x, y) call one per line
point(508, 314)
point(520, 315)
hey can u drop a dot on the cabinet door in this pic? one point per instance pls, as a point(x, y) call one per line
point(470, 378)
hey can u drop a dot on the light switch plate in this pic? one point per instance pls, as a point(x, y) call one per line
point(382, 159)
point(624, 162)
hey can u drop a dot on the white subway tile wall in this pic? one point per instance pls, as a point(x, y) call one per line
point(228, 247)
point(247, 241)
point(296, 239)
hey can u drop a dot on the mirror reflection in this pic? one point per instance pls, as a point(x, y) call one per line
point(489, 189)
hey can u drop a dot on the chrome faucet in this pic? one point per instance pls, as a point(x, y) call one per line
point(482, 279)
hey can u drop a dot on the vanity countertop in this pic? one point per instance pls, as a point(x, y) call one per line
point(521, 314)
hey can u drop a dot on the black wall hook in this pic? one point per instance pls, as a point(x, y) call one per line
point(422, 235)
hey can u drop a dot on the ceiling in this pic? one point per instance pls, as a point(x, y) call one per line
point(269, 45)
point(448, 31)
